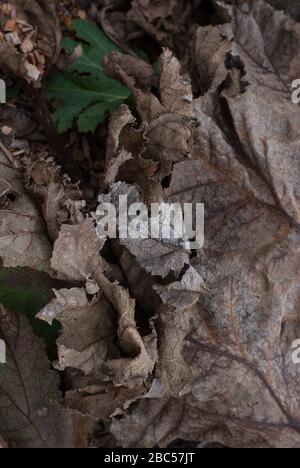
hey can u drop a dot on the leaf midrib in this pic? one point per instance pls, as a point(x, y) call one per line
point(96, 93)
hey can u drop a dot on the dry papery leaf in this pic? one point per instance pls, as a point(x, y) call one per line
point(29, 393)
point(76, 258)
point(124, 159)
point(205, 338)
point(168, 120)
point(62, 201)
point(29, 38)
point(225, 354)
point(291, 7)
point(23, 239)
point(156, 256)
point(87, 330)
point(163, 20)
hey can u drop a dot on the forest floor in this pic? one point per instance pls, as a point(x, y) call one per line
point(114, 341)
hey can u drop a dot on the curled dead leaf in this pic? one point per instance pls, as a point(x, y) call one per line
point(29, 392)
point(76, 257)
point(23, 241)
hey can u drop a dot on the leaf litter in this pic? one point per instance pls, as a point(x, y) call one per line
point(155, 343)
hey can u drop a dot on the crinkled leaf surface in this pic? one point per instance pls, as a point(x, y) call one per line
point(227, 359)
point(23, 241)
point(28, 390)
point(204, 338)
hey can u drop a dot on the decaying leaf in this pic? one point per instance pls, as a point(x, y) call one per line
point(289, 6)
point(211, 51)
point(30, 415)
point(156, 256)
point(62, 201)
point(76, 251)
point(183, 293)
point(124, 160)
point(23, 241)
point(227, 357)
point(142, 351)
point(102, 401)
point(159, 343)
point(169, 120)
point(86, 349)
point(269, 140)
point(163, 19)
point(76, 257)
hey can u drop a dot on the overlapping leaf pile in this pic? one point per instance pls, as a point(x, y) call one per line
point(162, 344)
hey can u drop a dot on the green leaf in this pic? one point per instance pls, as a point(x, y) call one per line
point(91, 34)
point(89, 119)
point(86, 93)
point(27, 292)
point(13, 92)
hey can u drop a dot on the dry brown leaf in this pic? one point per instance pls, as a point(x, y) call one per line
point(87, 343)
point(134, 70)
point(268, 140)
point(163, 19)
point(138, 280)
point(172, 370)
point(114, 166)
point(133, 371)
point(62, 201)
point(101, 402)
point(289, 6)
point(183, 293)
point(170, 125)
point(211, 50)
point(87, 330)
point(227, 357)
point(124, 160)
point(156, 256)
point(30, 415)
point(76, 257)
point(76, 252)
point(187, 422)
point(23, 241)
